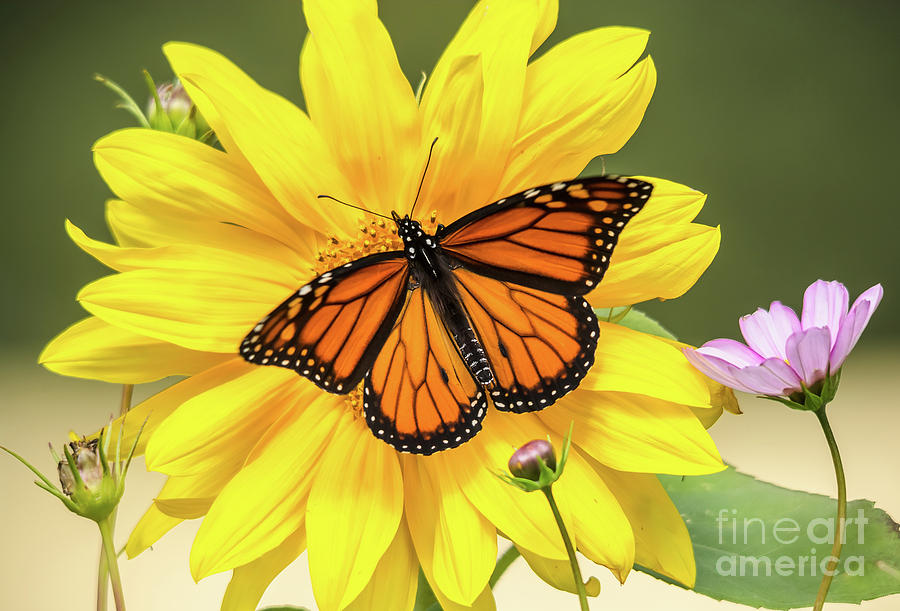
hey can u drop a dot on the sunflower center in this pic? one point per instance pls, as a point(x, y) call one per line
point(374, 235)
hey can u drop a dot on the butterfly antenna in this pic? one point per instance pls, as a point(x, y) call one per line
point(422, 181)
point(352, 206)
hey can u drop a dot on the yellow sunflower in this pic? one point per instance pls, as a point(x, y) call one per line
point(208, 241)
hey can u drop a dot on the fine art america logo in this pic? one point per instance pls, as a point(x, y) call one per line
point(750, 532)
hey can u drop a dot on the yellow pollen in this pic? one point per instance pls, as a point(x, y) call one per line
point(373, 236)
point(354, 401)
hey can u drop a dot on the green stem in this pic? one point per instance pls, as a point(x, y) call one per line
point(570, 549)
point(841, 510)
point(106, 534)
point(102, 581)
point(503, 563)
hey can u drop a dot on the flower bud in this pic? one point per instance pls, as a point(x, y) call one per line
point(169, 109)
point(87, 461)
point(534, 466)
point(92, 480)
point(526, 461)
point(174, 102)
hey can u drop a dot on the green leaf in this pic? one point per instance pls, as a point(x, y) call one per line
point(755, 542)
point(634, 319)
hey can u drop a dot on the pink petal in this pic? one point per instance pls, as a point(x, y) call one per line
point(716, 368)
point(731, 351)
point(853, 324)
point(808, 352)
point(771, 377)
point(765, 381)
point(767, 331)
point(824, 305)
point(789, 379)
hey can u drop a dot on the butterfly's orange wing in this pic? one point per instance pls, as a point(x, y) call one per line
point(556, 238)
point(330, 330)
point(539, 344)
point(419, 397)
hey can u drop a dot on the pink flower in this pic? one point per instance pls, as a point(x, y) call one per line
point(783, 353)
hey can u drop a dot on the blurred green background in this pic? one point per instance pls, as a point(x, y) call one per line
point(784, 112)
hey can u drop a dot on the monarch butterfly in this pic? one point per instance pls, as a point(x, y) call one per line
point(489, 306)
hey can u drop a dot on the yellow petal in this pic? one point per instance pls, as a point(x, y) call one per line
point(501, 32)
point(547, 11)
point(155, 523)
point(249, 582)
point(456, 545)
point(661, 538)
point(136, 226)
point(265, 251)
point(186, 509)
point(149, 529)
point(635, 362)
point(208, 304)
point(523, 518)
point(720, 396)
point(722, 399)
point(636, 433)
point(484, 602)
point(670, 204)
point(157, 408)
point(223, 69)
point(600, 528)
point(707, 416)
point(300, 167)
point(558, 573)
point(577, 107)
point(393, 584)
point(174, 174)
point(681, 255)
point(97, 350)
point(353, 512)
point(218, 427)
point(360, 101)
point(191, 496)
point(266, 500)
point(457, 123)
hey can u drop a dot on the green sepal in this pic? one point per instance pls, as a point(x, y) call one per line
point(188, 126)
point(126, 102)
point(811, 399)
point(159, 119)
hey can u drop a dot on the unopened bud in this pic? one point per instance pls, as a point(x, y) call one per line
point(87, 462)
point(173, 100)
point(168, 109)
point(526, 461)
point(534, 467)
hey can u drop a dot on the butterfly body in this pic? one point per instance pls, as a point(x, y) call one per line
point(431, 272)
point(488, 308)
